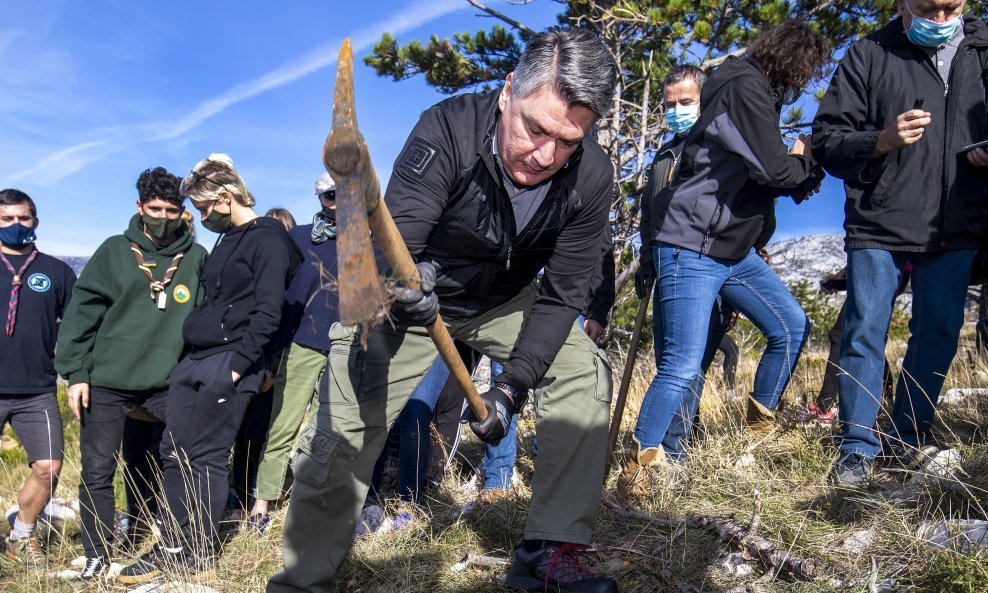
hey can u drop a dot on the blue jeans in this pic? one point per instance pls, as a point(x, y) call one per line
point(679, 431)
point(939, 284)
point(411, 430)
point(688, 284)
point(499, 460)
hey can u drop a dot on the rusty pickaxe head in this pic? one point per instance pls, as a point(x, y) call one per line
point(363, 297)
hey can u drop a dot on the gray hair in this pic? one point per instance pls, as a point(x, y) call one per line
point(213, 176)
point(574, 63)
point(685, 72)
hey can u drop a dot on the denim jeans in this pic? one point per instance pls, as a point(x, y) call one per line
point(411, 430)
point(499, 460)
point(939, 287)
point(688, 284)
point(681, 427)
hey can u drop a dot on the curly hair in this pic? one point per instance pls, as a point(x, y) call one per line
point(159, 184)
point(791, 54)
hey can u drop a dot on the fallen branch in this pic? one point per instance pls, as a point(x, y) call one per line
point(780, 561)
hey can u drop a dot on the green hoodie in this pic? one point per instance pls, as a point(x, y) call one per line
point(113, 335)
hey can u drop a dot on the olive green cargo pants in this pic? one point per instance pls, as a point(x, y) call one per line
point(367, 390)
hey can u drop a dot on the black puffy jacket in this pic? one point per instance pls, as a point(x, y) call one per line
point(447, 198)
point(925, 197)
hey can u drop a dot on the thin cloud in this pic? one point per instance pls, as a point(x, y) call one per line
point(74, 158)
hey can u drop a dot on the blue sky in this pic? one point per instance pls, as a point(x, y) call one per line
point(92, 93)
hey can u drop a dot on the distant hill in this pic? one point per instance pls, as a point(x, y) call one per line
point(807, 258)
point(76, 262)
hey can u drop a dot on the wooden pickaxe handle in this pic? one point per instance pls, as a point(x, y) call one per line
point(346, 156)
point(629, 368)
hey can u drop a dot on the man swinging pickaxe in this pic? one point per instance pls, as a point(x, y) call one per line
point(489, 189)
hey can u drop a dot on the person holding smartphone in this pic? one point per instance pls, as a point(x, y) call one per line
point(896, 125)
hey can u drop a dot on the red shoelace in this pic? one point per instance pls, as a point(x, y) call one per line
point(564, 566)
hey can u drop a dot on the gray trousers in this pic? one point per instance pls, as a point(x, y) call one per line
point(367, 390)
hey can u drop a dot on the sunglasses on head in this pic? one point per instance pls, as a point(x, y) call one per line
point(197, 177)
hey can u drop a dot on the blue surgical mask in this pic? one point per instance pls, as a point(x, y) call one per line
point(17, 235)
point(929, 33)
point(681, 118)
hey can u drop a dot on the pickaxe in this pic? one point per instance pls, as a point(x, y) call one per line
point(629, 367)
point(359, 207)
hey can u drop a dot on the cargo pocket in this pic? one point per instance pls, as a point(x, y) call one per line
point(344, 366)
point(315, 452)
point(603, 387)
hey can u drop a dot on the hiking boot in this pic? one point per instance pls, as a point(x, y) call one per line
point(632, 481)
point(96, 567)
point(27, 551)
point(812, 416)
point(852, 469)
point(159, 559)
point(760, 420)
point(555, 567)
point(906, 458)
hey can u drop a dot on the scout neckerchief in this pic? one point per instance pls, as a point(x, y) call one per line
point(15, 287)
point(158, 293)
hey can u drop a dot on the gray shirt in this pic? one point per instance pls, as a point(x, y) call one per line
point(524, 200)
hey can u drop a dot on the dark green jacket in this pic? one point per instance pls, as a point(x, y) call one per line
point(113, 335)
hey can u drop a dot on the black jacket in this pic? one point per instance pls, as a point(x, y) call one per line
point(734, 165)
point(925, 197)
point(448, 201)
point(244, 279)
point(660, 174)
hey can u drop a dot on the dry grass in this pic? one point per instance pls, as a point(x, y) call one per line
point(800, 511)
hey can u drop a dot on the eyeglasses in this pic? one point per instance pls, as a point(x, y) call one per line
point(197, 177)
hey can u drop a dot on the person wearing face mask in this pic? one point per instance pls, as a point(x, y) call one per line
point(707, 223)
point(34, 292)
point(229, 340)
point(120, 338)
point(900, 109)
point(311, 308)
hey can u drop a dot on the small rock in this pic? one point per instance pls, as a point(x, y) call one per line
point(858, 542)
point(960, 535)
point(956, 396)
point(745, 461)
point(942, 466)
point(735, 565)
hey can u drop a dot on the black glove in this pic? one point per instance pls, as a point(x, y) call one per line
point(414, 307)
point(644, 276)
point(502, 402)
point(812, 183)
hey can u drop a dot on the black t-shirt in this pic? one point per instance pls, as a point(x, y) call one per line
point(26, 358)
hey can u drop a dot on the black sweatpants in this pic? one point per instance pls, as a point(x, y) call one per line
point(205, 410)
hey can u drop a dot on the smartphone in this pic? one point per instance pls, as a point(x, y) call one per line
point(970, 147)
point(918, 104)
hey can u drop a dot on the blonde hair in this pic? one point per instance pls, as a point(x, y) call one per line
point(213, 176)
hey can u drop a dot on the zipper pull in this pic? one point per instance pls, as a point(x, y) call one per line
point(508, 265)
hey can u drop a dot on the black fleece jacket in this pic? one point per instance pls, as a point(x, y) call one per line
point(924, 197)
point(245, 279)
point(733, 166)
point(447, 198)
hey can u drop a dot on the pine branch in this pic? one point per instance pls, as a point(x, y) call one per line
point(501, 16)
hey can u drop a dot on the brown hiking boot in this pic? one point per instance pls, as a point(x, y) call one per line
point(492, 495)
point(760, 420)
point(632, 481)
